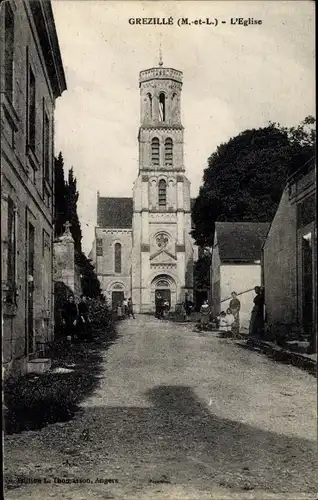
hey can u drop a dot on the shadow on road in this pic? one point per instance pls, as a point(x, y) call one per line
point(180, 439)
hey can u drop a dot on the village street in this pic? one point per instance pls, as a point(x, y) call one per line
point(179, 415)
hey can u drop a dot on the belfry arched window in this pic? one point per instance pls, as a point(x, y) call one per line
point(155, 151)
point(162, 107)
point(162, 193)
point(117, 257)
point(168, 151)
point(149, 97)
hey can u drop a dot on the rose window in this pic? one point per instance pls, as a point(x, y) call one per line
point(162, 240)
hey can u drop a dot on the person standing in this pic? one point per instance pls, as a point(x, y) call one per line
point(84, 319)
point(257, 316)
point(205, 315)
point(165, 308)
point(159, 306)
point(119, 310)
point(130, 309)
point(235, 306)
point(125, 307)
point(70, 317)
point(188, 307)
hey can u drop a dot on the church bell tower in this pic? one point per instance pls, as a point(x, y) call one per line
point(162, 248)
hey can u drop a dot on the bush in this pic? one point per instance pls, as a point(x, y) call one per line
point(100, 315)
point(34, 401)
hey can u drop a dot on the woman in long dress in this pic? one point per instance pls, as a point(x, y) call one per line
point(205, 315)
point(257, 316)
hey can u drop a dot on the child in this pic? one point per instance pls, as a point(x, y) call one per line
point(222, 322)
point(229, 319)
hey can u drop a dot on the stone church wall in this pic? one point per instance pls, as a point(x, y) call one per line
point(110, 280)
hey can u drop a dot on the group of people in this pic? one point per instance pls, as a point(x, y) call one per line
point(76, 320)
point(229, 320)
point(125, 309)
point(226, 321)
point(162, 306)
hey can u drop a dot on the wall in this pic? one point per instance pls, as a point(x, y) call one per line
point(240, 278)
point(282, 256)
point(105, 264)
point(64, 263)
point(23, 181)
point(280, 266)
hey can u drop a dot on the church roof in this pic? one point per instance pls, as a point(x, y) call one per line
point(241, 241)
point(115, 213)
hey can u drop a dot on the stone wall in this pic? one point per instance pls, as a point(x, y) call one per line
point(64, 261)
point(67, 279)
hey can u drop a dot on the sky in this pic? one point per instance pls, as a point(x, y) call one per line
point(235, 77)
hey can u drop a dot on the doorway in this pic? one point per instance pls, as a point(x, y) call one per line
point(30, 290)
point(165, 294)
point(307, 283)
point(117, 296)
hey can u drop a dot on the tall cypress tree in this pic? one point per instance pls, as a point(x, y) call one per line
point(60, 196)
point(66, 198)
point(71, 212)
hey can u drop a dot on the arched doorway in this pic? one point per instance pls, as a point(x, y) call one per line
point(163, 291)
point(117, 294)
point(164, 286)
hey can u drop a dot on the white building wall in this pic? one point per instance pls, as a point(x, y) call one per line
point(240, 278)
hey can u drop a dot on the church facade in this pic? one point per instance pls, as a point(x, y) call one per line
point(142, 244)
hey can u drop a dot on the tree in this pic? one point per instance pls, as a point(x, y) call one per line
point(71, 210)
point(245, 177)
point(59, 196)
point(66, 198)
point(89, 281)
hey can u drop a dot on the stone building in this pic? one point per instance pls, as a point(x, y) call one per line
point(290, 261)
point(142, 244)
point(32, 78)
point(236, 265)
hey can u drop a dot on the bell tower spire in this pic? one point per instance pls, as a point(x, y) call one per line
point(160, 55)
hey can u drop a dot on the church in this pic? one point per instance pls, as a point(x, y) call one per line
point(142, 245)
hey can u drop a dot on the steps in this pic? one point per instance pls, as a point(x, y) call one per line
point(39, 365)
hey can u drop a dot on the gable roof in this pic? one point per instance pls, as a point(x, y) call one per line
point(115, 213)
point(241, 241)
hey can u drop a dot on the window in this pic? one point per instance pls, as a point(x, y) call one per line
point(11, 251)
point(99, 247)
point(162, 107)
point(31, 110)
point(46, 146)
point(168, 151)
point(117, 258)
point(155, 151)
point(8, 50)
point(162, 193)
point(306, 211)
point(150, 105)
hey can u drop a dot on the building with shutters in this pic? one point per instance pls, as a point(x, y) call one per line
point(32, 78)
point(142, 244)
